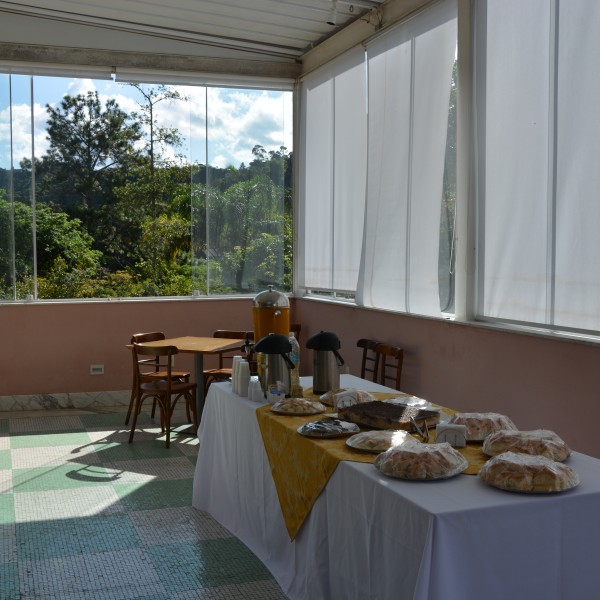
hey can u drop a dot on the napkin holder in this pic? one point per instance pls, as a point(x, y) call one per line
point(453, 433)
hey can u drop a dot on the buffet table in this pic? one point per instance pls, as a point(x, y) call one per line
point(372, 537)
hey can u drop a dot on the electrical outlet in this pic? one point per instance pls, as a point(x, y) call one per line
point(96, 369)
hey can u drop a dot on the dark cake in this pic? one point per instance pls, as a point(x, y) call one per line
point(385, 415)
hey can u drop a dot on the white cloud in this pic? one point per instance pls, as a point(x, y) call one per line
point(237, 121)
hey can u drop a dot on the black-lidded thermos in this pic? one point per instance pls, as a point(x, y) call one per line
point(326, 361)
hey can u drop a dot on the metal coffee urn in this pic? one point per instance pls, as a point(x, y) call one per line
point(326, 361)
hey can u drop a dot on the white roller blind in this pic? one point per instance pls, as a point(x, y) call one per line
point(409, 75)
point(539, 147)
point(332, 173)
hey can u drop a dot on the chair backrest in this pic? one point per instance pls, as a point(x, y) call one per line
point(140, 363)
point(390, 359)
point(370, 360)
point(163, 355)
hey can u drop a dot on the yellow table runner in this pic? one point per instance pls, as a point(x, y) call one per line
point(301, 466)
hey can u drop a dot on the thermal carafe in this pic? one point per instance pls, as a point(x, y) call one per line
point(274, 349)
point(326, 361)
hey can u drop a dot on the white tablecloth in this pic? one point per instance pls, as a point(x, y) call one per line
point(371, 537)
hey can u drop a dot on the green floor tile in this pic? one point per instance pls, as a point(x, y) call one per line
point(107, 554)
point(7, 510)
point(5, 462)
point(206, 564)
point(115, 451)
point(60, 477)
point(41, 540)
point(39, 440)
point(155, 494)
point(113, 420)
point(9, 581)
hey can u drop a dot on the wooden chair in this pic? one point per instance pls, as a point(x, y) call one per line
point(381, 363)
point(165, 391)
point(368, 366)
point(147, 368)
point(223, 372)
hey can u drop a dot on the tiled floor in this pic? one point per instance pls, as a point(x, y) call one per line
point(84, 515)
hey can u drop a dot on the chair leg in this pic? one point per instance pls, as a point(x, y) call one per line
point(167, 416)
point(153, 409)
point(136, 412)
point(132, 401)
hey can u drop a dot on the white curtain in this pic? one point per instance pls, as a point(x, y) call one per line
point(537, 86)
point(332, 173)
point(409, 77)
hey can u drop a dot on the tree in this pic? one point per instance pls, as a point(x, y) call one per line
point(63, 246)
point(88, 143)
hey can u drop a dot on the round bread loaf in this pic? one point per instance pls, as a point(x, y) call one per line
point(480, 425)
point(525, 473)
point(421, 462)
point(539, 442)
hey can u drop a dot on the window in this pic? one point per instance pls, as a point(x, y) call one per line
point(538, 135)
point(378, 169)
point(121, 189)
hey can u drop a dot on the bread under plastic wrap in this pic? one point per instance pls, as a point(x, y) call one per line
point(480, 425)
point(421, 462)
point(517, 472)
point(538, 442)
point(346, 397)
point(380, 441)
point(297, 406)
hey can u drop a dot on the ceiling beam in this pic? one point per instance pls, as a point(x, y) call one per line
point(136, 60)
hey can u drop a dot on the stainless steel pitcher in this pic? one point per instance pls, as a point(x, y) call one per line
point(276, 367)
point(326, 361)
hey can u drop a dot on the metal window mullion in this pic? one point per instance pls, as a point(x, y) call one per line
point(552, 165)
point(332, 184)
point(409, 175)
point(11, 197)
point(33, 195)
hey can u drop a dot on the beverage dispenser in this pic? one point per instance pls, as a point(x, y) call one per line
point(271, 313)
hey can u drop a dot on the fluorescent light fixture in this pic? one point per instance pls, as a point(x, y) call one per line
point(125, 75)
point(55, 70)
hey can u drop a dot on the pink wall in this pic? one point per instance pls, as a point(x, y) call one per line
point(538, 382)
point(53, 345)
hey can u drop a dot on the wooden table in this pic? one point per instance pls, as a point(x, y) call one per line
point(199, 346)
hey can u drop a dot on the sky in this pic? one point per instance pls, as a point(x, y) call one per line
point(225, 123)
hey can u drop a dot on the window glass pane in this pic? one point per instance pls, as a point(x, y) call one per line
point(333, 173)
point(409, 83)
point(538, 138)
point(448, 216)
point(514, 160)
point(16, 209)
point(248, 190)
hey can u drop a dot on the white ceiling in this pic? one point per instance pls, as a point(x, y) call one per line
point(274, 29)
